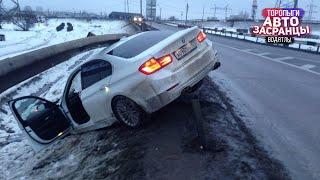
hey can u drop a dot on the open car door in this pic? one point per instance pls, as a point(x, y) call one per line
point(40, 120)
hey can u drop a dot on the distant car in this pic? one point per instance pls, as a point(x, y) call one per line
point(125, 82)
point(137, 19)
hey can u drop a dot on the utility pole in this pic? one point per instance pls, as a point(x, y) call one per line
point(187, 11)
point(295, 4)
point(226, 11)
point(141, 7)
point(152, 19)
point(128, 6)
point(160, 13)
point(125, 6)
point(254, 9)
point(1, 14)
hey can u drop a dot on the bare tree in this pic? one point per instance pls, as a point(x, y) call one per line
point(22, 19)
point(28, 18)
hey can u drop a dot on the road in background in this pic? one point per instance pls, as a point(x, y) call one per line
point(280, 89)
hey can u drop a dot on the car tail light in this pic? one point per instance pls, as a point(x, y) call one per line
point(153, 65)
point(201, 37)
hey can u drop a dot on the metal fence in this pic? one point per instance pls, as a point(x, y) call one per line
point(309, 46)
point(298, 44)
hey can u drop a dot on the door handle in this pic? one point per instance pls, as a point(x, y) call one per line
point(104, 88)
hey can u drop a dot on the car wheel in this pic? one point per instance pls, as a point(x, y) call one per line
point(128, 112)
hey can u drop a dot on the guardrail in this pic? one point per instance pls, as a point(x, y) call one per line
point(298, 44)
point(10, 64)
point(308, 46)
point(19, 68)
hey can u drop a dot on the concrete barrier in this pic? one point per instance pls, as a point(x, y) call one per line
point(20, 61)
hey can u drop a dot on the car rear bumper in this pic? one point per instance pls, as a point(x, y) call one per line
point(170, 86)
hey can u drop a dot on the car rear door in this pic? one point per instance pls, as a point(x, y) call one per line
point(95, 78)
point(40, 120)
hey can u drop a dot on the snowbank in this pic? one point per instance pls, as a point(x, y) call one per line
point(45, 34)
point(49, 85)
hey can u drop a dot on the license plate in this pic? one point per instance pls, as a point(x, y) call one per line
point(184, 50)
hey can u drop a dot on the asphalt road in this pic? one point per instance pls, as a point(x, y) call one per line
point(280, 89)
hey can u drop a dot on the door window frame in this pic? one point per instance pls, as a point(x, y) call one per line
point(23, 123)
point(101, 78)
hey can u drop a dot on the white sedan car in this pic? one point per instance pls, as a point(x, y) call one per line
point(125, 82)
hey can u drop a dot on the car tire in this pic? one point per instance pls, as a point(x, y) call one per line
point(128, 112)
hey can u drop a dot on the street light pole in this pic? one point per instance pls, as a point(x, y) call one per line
point(141, 7)
point(187, 10)
point(295, 4)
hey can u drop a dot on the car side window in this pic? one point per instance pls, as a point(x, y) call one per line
point(31, 108)
point(94, 71)
point(76, 84)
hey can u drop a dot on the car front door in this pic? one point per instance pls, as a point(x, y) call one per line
point(95, 78)
point(40, 120)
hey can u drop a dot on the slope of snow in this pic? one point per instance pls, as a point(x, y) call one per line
point(45, 34)
point(49, 85)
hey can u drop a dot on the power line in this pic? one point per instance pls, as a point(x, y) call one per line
point(225, 9)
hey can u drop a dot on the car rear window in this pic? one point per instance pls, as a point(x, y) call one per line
point(138, 44)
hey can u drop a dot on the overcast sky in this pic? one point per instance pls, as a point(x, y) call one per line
point(169, 7)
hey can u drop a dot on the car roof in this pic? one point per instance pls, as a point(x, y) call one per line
point(139, 43)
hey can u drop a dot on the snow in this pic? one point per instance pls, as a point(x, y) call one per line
point(15, 154)
point(45, 34)
point(171, 24)
point(49, 85)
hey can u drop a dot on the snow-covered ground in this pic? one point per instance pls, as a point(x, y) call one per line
point(45, 34)
point(48, 85)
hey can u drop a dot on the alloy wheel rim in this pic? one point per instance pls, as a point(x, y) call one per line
point(128, 112)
